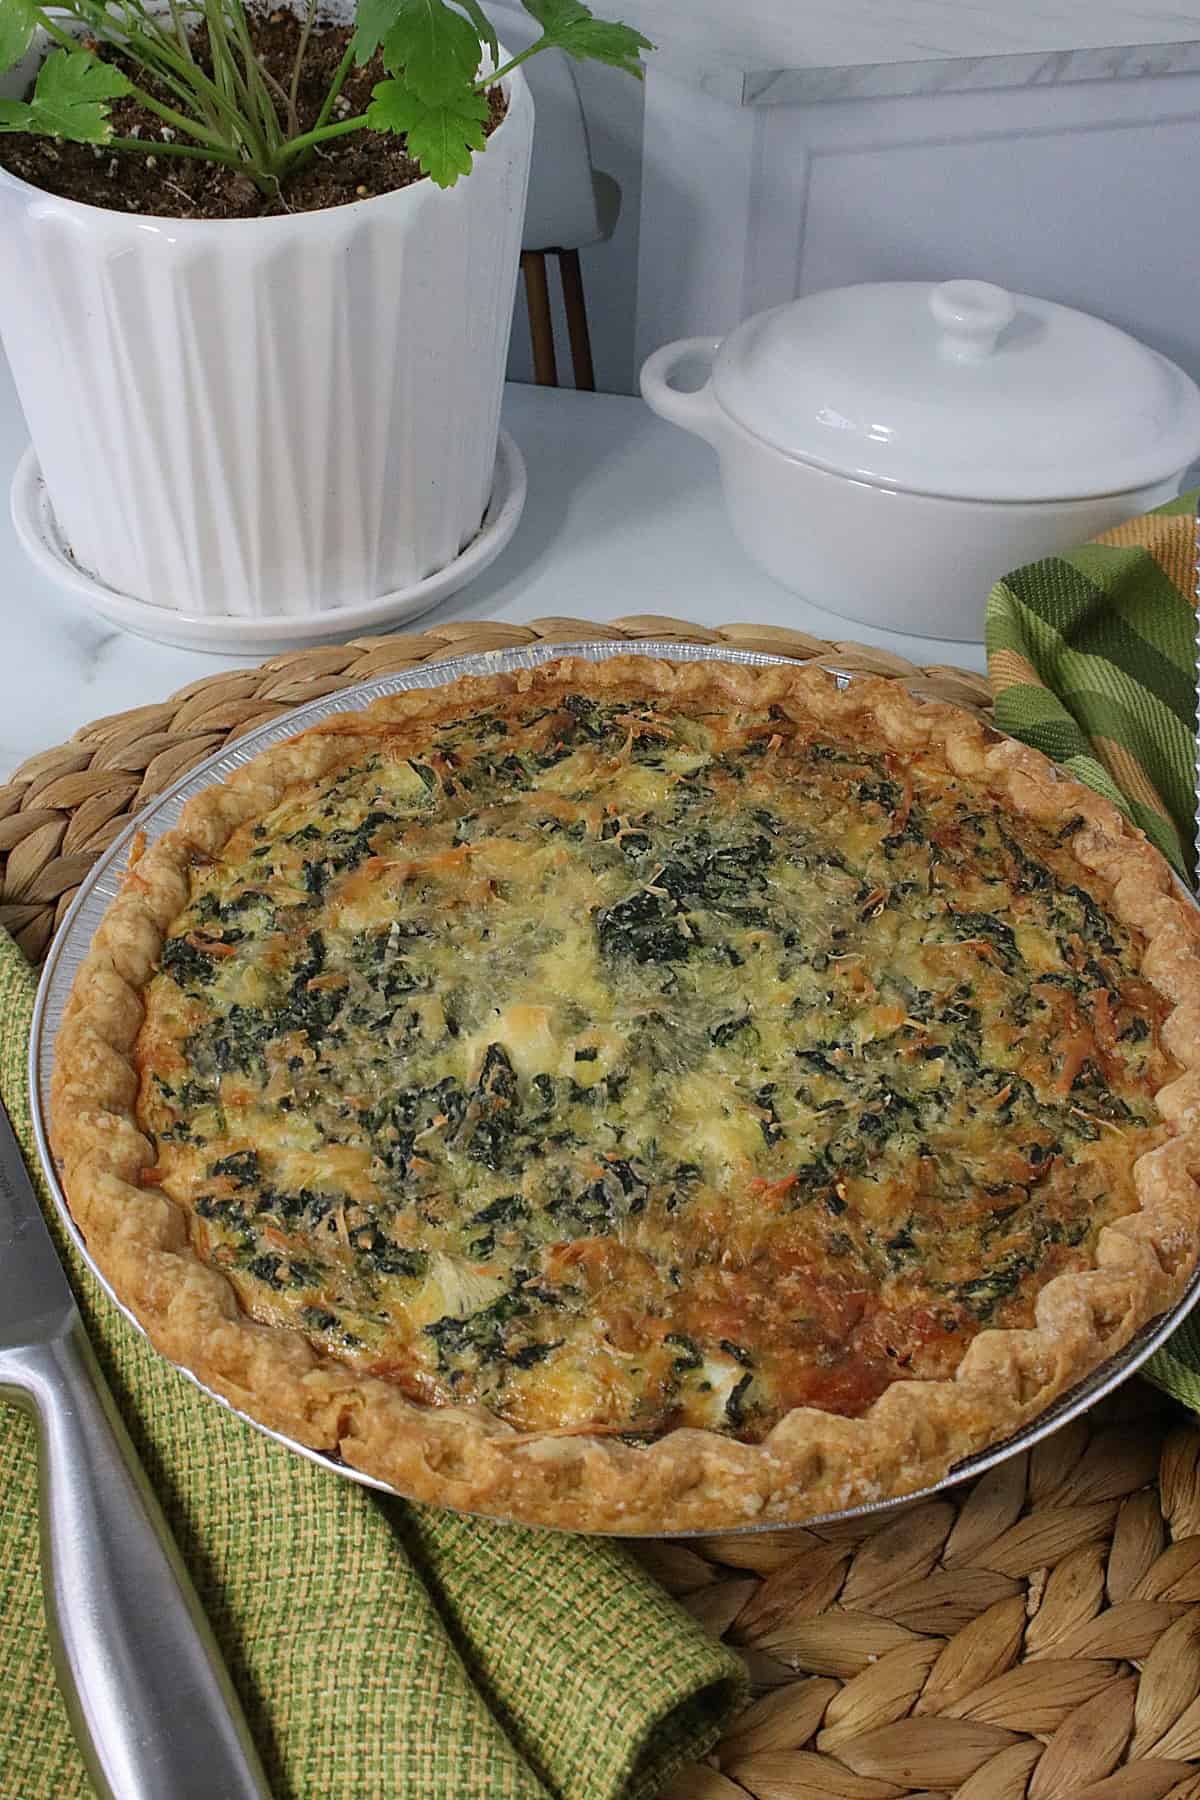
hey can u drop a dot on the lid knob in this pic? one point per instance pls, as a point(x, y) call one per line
point(971, 315)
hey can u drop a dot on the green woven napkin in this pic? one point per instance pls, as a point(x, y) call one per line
point(1092, 658)
point(382, 1651)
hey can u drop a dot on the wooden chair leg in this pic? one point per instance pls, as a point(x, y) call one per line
point(541, 325)
point(577, 323)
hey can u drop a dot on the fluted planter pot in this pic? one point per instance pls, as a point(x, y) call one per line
point(268, 418)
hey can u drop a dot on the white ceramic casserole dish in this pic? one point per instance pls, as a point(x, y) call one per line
point(890, 450)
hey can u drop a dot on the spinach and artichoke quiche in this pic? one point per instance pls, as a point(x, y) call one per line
point(636, 1097)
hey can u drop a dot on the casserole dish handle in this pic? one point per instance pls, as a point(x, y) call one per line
point(696, 412)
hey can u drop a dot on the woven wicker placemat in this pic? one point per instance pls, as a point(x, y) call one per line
point(1034, 1634)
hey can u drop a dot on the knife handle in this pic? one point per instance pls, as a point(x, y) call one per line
point(148, 1696)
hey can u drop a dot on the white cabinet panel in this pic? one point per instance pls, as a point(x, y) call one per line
point(1082, 192)
point(1106, 226)
point(1081, 196)
point(697, 196)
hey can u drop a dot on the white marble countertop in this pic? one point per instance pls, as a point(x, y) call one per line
point(774, 52)
point(624, 516)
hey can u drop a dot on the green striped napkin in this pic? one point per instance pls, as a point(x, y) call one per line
point(382, 1651)
point(1092, 658)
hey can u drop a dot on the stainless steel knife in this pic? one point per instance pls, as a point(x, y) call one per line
point(149, 1698)
point(1196, 596)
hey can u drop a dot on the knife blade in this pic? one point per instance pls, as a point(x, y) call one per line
point(1196, 598)
point(146, 1691)
point(35, 1297)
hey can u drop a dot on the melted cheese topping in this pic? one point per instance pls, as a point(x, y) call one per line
point(619, 1070)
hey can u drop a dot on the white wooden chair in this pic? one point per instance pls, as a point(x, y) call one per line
point(570, 203)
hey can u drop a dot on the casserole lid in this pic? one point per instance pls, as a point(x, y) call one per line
point(960, 390)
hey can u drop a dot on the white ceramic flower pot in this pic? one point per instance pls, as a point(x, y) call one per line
point(268, 418)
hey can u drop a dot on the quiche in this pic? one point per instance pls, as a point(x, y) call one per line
point(638, 1098)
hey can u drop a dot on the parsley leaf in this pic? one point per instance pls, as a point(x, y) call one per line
point(69, 99)
point(434, 46)
point(17, 23)
point(483, 26)
point(375, 20)
point(431, 48)
point(568, 25)
point(441, 133)
point(431, 43)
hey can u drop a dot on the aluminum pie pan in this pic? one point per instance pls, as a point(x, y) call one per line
point(74, 937)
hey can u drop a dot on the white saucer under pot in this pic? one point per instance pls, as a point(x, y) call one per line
point(42, 539)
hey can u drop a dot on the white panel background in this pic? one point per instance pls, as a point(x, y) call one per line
point(1084, 193)
point(1104, 225)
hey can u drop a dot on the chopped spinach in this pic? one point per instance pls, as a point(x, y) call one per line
point(480, 1334)
point(187, 963)
point(242, 1168)
point(688, 1357)
point(735, 1405)
point(645, 927)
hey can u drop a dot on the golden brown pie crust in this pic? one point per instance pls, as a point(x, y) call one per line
point(812, 1462)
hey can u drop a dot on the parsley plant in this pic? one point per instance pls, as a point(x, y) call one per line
point(239, 114)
